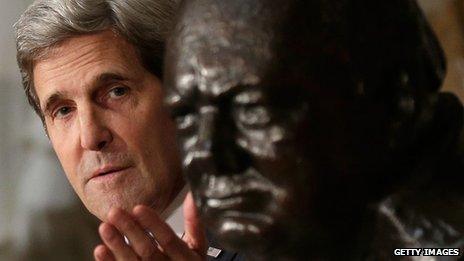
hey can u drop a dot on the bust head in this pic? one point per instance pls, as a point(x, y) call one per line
point(290, 114)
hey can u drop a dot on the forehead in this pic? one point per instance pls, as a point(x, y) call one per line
point(220, 49)
point(104, 45)
point(76, 60)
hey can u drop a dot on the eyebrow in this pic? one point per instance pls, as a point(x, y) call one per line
point(99, 80)
point(108, 77)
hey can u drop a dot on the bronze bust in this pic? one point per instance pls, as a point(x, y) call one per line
point(315, 129)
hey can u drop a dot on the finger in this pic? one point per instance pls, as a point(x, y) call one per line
point(115, 242)
point(139, 239)
point(170, 243)
point(195, 235)
point(156, 256)
point(102, 253)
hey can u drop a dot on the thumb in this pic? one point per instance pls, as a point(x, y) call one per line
point(195, 235)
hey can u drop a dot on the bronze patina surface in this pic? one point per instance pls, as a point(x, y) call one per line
point(316, 129)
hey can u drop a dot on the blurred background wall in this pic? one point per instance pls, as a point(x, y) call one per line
point(40, 216)
point(447, 20)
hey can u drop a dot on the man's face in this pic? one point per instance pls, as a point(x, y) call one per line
point(104, 115)
point(236, 132)
point(272, 153)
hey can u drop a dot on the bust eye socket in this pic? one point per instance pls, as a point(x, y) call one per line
point(185, 122)
point(184, 118)
point(253, 116)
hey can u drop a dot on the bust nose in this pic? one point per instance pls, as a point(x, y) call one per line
point(215, 151)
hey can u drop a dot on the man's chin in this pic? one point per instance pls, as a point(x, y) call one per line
point(242, 232)
point(106, 203)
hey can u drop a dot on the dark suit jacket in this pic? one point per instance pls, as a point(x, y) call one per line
point(225, 255)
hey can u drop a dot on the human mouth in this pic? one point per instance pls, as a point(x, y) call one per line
point(107, 173)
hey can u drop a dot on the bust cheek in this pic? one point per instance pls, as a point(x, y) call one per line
point(263, 143)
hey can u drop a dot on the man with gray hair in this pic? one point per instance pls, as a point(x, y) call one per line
point(92, 72)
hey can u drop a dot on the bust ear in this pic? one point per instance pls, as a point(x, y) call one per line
point(438, 122)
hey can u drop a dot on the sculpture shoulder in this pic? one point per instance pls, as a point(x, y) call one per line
point(420, 218)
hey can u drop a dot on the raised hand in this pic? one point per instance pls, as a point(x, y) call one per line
point(150, 237)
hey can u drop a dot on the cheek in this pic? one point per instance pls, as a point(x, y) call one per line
point(149, 128)
point(274, 152)
point(145, 123)
point(60, 140)
point(266, 143)
point(69, 160)
point(64, 137)
point(146, 114)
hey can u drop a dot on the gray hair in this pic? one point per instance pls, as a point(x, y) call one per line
point(47, 23)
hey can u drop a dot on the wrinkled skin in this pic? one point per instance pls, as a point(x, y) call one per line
point(292, 138)
point(106, 121)
point(104, 115)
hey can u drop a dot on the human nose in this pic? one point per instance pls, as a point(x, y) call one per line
point(94, 134)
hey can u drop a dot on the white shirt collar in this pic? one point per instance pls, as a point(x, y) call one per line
point(174, 214)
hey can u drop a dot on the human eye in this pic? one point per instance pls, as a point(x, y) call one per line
point(62, 112)
point(118, 92)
